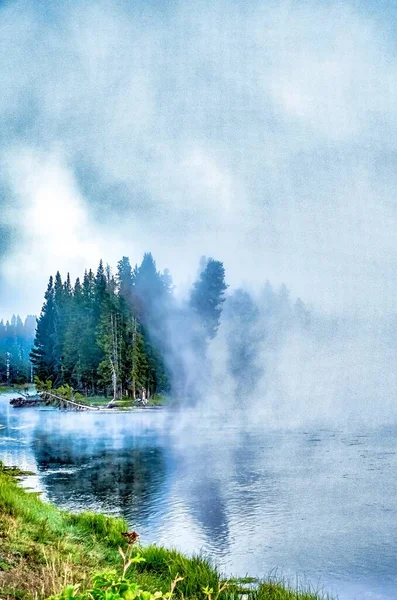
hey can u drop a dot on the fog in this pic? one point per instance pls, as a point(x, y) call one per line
point(264, 493)
point(293, 367)
point(262, 134)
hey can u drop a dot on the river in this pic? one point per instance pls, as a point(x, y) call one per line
point(320, 505)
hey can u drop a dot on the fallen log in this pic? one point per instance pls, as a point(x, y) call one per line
point(65, 403)
point(25, 402)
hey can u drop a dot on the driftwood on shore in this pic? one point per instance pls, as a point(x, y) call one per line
point(64, 403)
point(47, 398)
point(22, 402)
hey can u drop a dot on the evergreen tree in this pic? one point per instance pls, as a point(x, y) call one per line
point(125, 279)
point(149, 291)
point(152, 291)
point(67, 287)
point(100, 286)
point(244, 337)
point(73, 359)
point(42, 353)
point(16, 342)
point(106, 333)
point(110, 341)
point(59, 329)
point(167, 282)
point(135, 359)
point(3, 351)
point(90, 321)
point(208, 295)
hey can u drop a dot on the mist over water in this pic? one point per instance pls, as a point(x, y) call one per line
point(262, 134)
point(287, 364)
point(319, 503)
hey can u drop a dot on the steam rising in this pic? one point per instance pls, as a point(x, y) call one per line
point(262, 134)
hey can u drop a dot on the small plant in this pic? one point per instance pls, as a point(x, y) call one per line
point(112, 586)
point(209, 592)
point(65, 391)
point(42, 386)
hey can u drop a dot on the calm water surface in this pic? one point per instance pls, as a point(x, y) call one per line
point(320, 505)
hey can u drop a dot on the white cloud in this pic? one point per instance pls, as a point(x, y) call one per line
point(53, 222)
point(263, 135)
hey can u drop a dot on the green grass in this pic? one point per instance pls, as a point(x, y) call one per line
point(94, 400)
point(156, 400)
point(43, 549)
point(100, 401)
point(14, 387)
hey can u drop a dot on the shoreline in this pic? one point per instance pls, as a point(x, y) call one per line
point(95, 404)
point(43, 549)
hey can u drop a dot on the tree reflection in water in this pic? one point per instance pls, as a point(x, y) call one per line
point(83, 474)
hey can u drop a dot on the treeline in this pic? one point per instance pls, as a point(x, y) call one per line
point(16, 340)
point(256, 329)
point(111, 333)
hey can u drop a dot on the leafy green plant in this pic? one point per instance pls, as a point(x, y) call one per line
point(110, 585)
point(42, 386)
point(209, 592)
point(65, 391)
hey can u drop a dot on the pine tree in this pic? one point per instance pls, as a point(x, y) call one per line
point(125, 279)
point(149, 290)
point(29, 329)
point(244, 338)
point(208, 295)
point(73, 369)
point(42, 353)
point(90, 321)
point(3, 350)
point(110, 341)
point(153, 292)
point(59, 329)
point(100, 287)
point(106, 332)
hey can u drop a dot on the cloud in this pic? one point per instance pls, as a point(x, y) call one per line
point(262, 134)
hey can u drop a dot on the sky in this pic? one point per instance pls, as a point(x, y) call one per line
point(263, 134)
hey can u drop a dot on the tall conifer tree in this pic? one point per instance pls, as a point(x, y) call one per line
point(42, 353)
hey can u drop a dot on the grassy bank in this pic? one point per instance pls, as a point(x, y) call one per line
point(156, 400)
point(44, 549)
point(14, 387)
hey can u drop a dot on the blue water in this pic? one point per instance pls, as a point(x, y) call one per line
point(318, 505)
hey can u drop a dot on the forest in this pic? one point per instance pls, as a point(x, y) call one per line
point(16, 340)
point(110, 334)
point(128, 335)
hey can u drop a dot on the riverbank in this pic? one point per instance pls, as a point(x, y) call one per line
point(9, 389)
point(101, 402)
point(44, 549)
point(57, 397)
